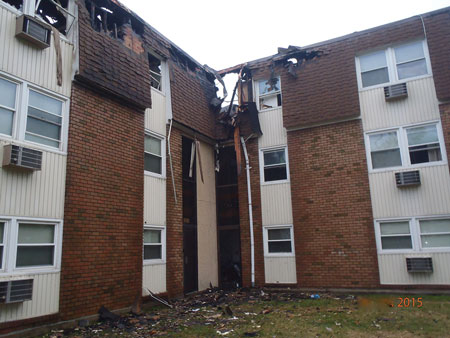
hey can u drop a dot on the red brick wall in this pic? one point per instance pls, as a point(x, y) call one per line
point(103, 216)
point(438, 36)
point(108, 64)
point(252, 148)
point(191, 94)
point(333, 225)
point(174, 216)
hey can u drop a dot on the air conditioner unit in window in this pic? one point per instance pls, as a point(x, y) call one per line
point(407, 178)
point(21, 157)
point(419, 264)
point(395, 92)
point(16, 291)
point(33, 30)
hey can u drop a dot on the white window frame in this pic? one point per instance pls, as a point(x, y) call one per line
point(404, 147)
point(5, 234)
point(21, 114)
point(16, 107)
point(266, 240)
point(392, 65)
point(414, 226)
point(258, 96)
point(10, 242)
point(163, 245)
point(261, 164)
point(163, 155)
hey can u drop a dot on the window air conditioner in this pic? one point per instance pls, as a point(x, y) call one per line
point(21, 157)
point(419, 264)
point(33, 30)
point(396, 91)
point(16, 291)
point(407, 178)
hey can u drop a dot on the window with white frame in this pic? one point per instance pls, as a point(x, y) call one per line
point(274, 165)
point(394, 64)
point(435, 233)
point(406, 146)
point(8, 102)
point(28, 245)
point(154, 154)
point(31, 115)
point(414, 234)
point(395, 235)
point(269, 93)
point(154, 244)
point(156, 72)
point(278, 240)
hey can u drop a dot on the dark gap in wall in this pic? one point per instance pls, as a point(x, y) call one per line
point(53, 15)
point(15, 3)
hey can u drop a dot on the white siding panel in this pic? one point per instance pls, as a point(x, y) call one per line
point(34, 65)
point(154, 200)
point(276, 204)
point(421, 105)
point(393, 269)
point(280, 270)
point(154, 278)
point(155, 117)
point(45, 299)
point(432, 197)
point(274, 134)
point(34, 194)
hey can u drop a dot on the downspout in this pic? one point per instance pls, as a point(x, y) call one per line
point(250, 213)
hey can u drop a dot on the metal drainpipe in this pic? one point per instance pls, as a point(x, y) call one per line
point(250, 213)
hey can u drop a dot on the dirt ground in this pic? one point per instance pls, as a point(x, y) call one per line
point(268, 313)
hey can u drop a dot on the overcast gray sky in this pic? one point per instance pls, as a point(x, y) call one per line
point(225, 33)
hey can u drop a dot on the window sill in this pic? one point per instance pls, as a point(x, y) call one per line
point(154, 262)
point(28, 271)
point(410, 167)
point(150, 174)
point(31, 145)
point(395, 82)
point(415, 252)
point(268, 109)
point(279, 255)
point(276, 182)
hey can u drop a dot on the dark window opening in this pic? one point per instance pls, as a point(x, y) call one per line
point(54, 15)
point(15, 3)
point(112, 19)
point(155, 71)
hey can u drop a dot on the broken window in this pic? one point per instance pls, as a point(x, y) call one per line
point(112, 19)
point(15, 3)
point(54, 12)
point(155, 65)
point(269, 93)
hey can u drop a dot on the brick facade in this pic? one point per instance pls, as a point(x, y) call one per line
point(333, 225)
point(103, 222)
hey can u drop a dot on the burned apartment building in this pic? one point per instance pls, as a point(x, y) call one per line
point(122, 175)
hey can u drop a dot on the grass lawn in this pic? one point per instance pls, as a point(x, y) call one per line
point(267, 314)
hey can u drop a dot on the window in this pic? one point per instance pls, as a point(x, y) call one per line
point(8, 91)
point(278, 240)
point(395, 235)
point(406, 146)
point(385, 151)
point(274, 164)
point(28, 114)
point(423, 144)
point(415, 234)
point(154, 155)
point(154, 244)
point(393, 64)
point(2, 245)
point(269, 93)
point(435, 233)
point(155, 65)
point(35, 245)
point(29, 245)
point(44, 119)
